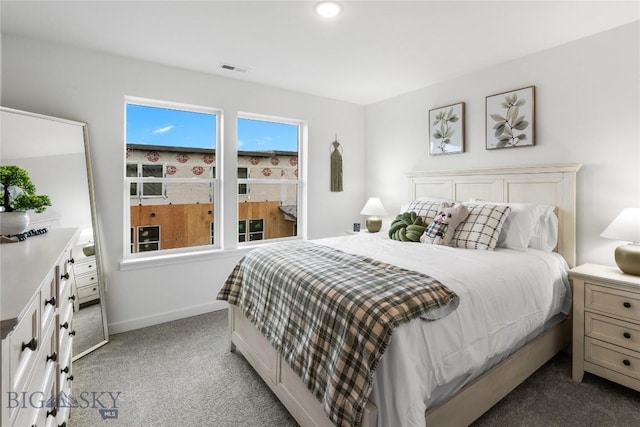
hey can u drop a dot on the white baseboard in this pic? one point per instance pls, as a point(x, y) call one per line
point(156, 319)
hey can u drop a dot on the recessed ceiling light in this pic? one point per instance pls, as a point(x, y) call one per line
point(328, 9)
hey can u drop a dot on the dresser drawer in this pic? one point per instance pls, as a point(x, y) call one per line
point(37, 391)
point(48, 299)
point(611, 330)
point(48, 414)
point(65, 378)
point(24, 338)
point(614, 301)
point(64, 298)
point(65, 329)
point(85, 267)
point(612, 357)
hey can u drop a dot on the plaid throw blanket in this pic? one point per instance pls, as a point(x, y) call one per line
point(330, 314)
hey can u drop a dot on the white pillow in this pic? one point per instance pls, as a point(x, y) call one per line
point(519, 226)
point(426, 207)
point(482, 227)
point(545, 232)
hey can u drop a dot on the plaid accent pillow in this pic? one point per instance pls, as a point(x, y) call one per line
point(427, 209)
point(481, 228)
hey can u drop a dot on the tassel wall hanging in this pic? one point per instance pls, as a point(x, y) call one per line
point(336, 166)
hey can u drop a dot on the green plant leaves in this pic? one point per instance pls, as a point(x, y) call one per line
point(444, 132)
point(503, 129)
point(18, 192)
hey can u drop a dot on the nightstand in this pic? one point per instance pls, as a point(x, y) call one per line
point(606, 324)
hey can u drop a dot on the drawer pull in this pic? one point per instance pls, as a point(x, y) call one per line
point(72, 333)
point(72, 261)
point(626, 362)
point(65, 370)
point(627, 335)
point(70, 378)
point(53, 357)
point(52, 412)
point(65, 276)
point(31, 345)
point(72, 298)
point(51, 301)
point(627, 304)
point(64, 424)
point(65, 325)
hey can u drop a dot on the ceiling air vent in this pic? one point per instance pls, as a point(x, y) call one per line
point(237, 68)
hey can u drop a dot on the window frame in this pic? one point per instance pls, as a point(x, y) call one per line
point(214, 183)
point(225, 188)
point(300, 182)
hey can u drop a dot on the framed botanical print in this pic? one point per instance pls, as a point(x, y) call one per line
point(446, 129)
point(510, 119)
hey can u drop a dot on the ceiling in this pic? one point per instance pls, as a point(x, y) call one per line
point(373, 51)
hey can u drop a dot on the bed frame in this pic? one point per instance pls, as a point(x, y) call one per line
point(550, 184)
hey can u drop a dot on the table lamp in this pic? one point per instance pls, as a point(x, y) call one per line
point(626, 226)
point(375, 210)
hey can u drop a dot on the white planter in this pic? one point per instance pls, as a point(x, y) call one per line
point(15, 222)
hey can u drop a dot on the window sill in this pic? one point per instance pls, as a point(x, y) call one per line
point(195, 256)
point(181, 258)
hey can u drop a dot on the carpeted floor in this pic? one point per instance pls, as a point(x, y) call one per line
point(181, 373)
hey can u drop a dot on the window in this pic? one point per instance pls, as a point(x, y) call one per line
point(146, 190)
point(173, 179)
point(255, 227)
point(148, 239)
point(268, 151)
point(171, 175)
point(242, 188)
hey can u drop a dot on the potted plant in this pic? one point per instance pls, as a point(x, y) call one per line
point(18, 195)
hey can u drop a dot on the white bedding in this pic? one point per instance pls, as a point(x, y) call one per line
point(505, 296)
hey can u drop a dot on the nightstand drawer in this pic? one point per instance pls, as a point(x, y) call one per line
point(613, 301)
point(612, 357)
point(612, 330)
point(82, 281)
point(85, 267)
point(88, 292)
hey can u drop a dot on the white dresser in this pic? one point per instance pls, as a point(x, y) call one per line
point(37, 329)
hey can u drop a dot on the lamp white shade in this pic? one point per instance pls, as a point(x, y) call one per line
point(626, 226)
point(375, 210)
point(373, 207)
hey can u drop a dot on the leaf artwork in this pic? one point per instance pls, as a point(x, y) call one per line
point(506, 127)
point(444, 132)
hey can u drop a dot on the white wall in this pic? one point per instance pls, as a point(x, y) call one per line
point(86, 86)
point(586, 109)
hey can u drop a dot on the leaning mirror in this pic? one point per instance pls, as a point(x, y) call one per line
point(55, 152)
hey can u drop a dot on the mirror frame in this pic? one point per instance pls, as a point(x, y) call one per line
point(94, 219)
point(98, 247)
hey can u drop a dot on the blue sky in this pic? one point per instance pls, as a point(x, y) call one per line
point(166, 127)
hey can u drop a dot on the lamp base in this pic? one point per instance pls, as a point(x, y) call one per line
point(628, 259)
point(374, 224)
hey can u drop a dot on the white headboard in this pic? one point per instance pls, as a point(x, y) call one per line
point(549, 184)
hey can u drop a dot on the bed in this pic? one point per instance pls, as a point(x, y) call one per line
point(460, 397)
